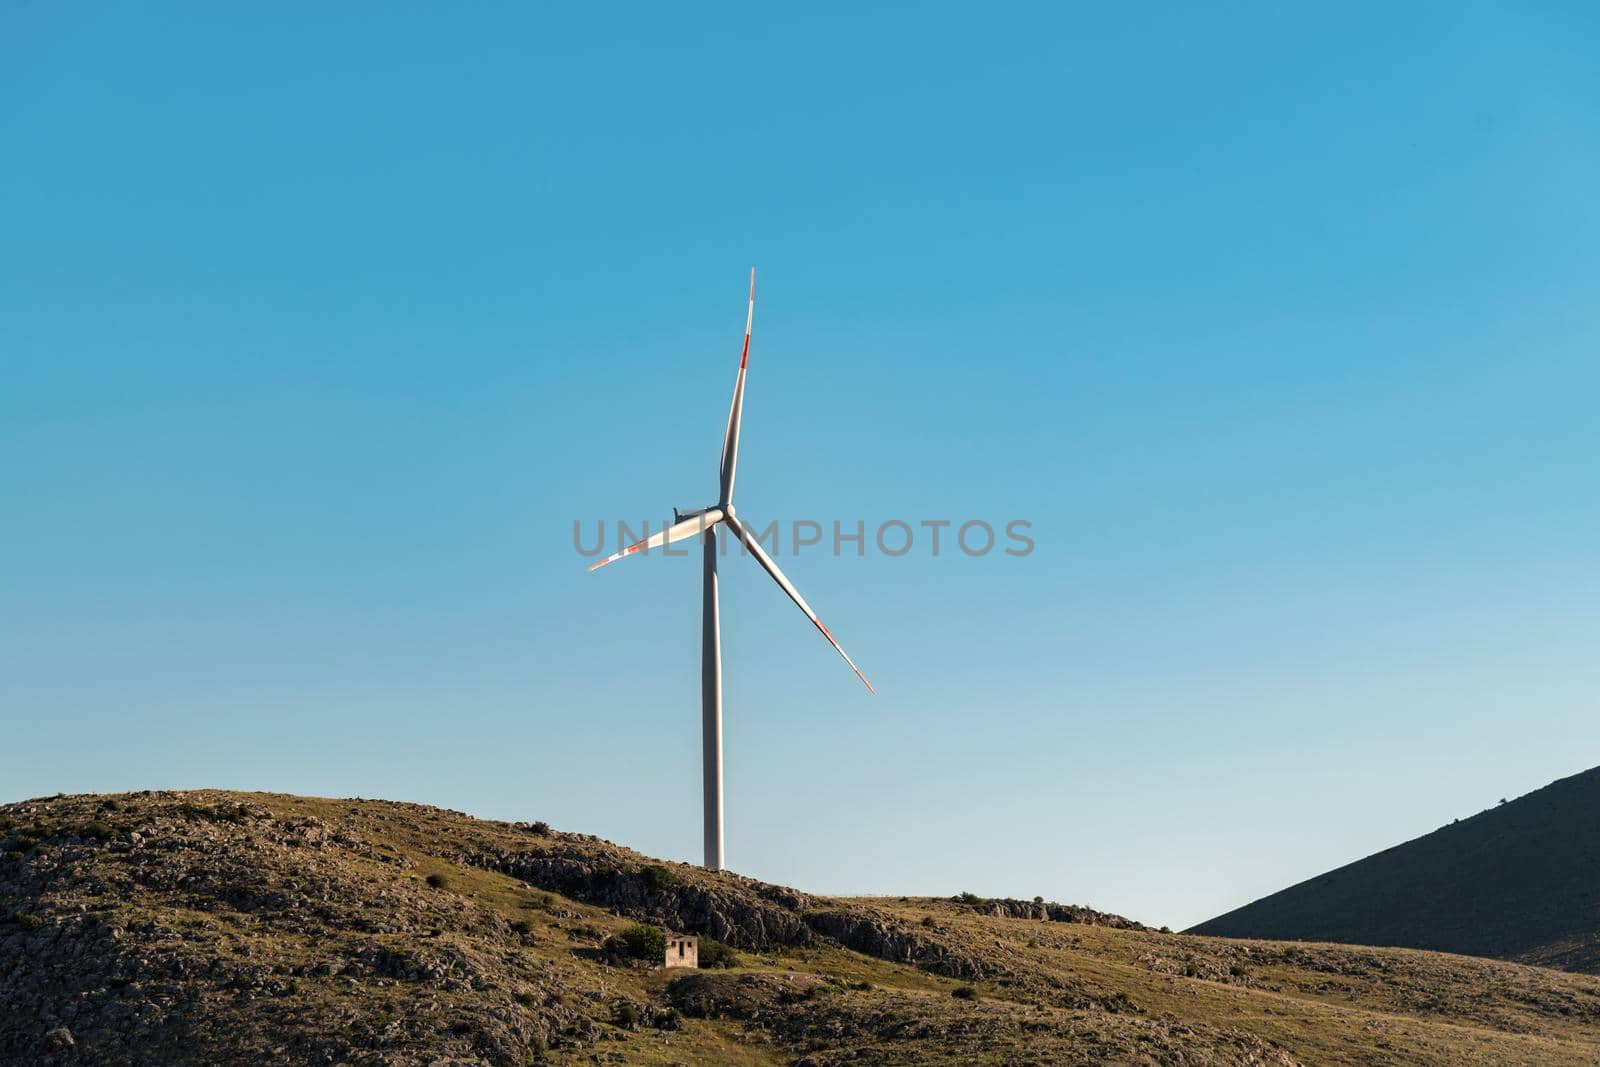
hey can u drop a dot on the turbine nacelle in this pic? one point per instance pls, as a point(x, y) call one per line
point(680, 515)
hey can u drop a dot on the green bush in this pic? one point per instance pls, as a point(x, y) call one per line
point(658, 877)
point(645, 942)
point(964, 992)
point(523, 927)
point(438, 881)
point(716, 954)
point(971, 900)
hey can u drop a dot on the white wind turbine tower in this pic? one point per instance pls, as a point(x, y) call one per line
point(705, 522)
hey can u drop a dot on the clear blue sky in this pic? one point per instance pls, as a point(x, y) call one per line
point(1278, 322)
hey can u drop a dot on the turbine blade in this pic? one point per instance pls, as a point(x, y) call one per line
point(787, 586)
point(694, 524)
point(730, 438)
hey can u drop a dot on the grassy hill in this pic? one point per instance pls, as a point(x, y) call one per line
point(209, 927)
point(1520, 881)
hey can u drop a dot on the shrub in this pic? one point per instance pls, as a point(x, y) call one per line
point(627, 1015)
point(523, 927)
point(234, 813)
point(716, 954)
point(927, 920)
point(658, 877)
point(971, 900)
point(1119, 1004)
point(98, 830)
point(26, 920)
point(541, 828)
point(645, 942)
point(438, 881)
point(964, 992)
point(526, 999)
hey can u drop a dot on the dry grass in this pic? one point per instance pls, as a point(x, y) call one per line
point(492, 966)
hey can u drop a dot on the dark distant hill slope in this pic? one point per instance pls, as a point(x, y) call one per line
point(207, 928)
point(1520, 881)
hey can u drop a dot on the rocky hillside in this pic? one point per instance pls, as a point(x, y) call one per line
point(1520, 881)
point(223, 928)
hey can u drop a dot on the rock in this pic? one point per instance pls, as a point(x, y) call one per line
point(879, 936)
point(1050, 911)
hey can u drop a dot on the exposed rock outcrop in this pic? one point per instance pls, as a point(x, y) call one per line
point(1050, 911)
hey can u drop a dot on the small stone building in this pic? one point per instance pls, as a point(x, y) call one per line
point(683, 950)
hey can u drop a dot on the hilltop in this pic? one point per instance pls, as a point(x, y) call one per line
point(1520, 881)
point(209, 927)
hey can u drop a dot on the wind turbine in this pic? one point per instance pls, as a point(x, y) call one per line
point(704, 523)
